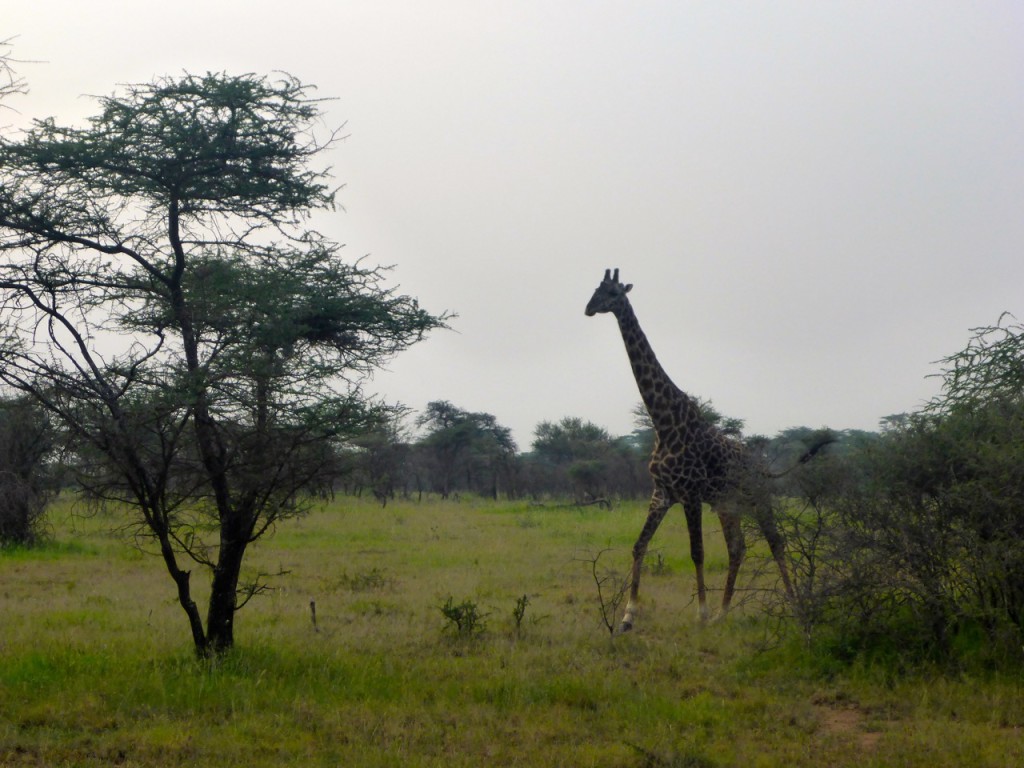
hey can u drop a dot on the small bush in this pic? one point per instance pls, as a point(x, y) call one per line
point(465, 620)
point(611, 587)
point(373, 580)
point(519, 612)
point(658, 565)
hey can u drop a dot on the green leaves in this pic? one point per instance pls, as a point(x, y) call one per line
point(215, 143)
point(990, 367)
point(921, 529)
point(160, 294)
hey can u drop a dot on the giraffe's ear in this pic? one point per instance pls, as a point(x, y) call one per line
point(628, 288)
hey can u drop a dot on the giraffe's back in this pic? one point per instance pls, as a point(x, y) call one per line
point(698, 467)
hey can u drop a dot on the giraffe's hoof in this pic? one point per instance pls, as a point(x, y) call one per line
point(625, 626)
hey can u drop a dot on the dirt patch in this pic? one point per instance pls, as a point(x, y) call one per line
point(848, 721)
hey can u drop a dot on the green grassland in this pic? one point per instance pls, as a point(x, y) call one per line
point(96, 666)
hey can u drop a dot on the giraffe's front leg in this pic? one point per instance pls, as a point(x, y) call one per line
point(659, 506)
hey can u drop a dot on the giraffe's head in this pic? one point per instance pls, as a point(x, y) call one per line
point(609, 294)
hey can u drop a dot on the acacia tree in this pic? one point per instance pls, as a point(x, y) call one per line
point(574, 455)
point(162, 295)
point(579, 457)
point(913, 540)
point(460, 443)
point(378, 457)
point(10, 81)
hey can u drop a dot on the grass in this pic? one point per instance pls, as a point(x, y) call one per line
point(96, 667)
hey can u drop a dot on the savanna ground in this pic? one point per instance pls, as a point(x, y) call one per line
point(96, 666)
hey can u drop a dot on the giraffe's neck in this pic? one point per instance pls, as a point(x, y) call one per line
point(662, 398)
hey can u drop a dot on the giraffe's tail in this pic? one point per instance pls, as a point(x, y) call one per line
point(822, 439)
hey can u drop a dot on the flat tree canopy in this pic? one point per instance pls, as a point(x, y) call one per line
point(162, 295)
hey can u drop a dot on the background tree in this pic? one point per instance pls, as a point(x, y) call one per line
point(642, 436)
point(569, 440)
point(163, 298)
point(579, 457)
point(26, 442)
point(378, 459)
point(466, 450)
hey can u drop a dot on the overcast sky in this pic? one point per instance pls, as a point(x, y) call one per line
point(814, 200)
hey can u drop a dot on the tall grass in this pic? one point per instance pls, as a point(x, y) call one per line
point(96, 667)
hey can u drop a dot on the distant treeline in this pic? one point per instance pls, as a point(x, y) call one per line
point(459, 451)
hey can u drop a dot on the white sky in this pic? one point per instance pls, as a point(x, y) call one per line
point(814, 200)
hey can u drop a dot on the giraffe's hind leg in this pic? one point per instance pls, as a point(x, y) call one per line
point(776, 543)
point(694, 519)
point(737, 548)
point(659, 506)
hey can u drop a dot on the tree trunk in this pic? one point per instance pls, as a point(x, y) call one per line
point(182, 580)
point(220, 618)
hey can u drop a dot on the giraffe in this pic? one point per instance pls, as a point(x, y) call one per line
point(693, 462)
